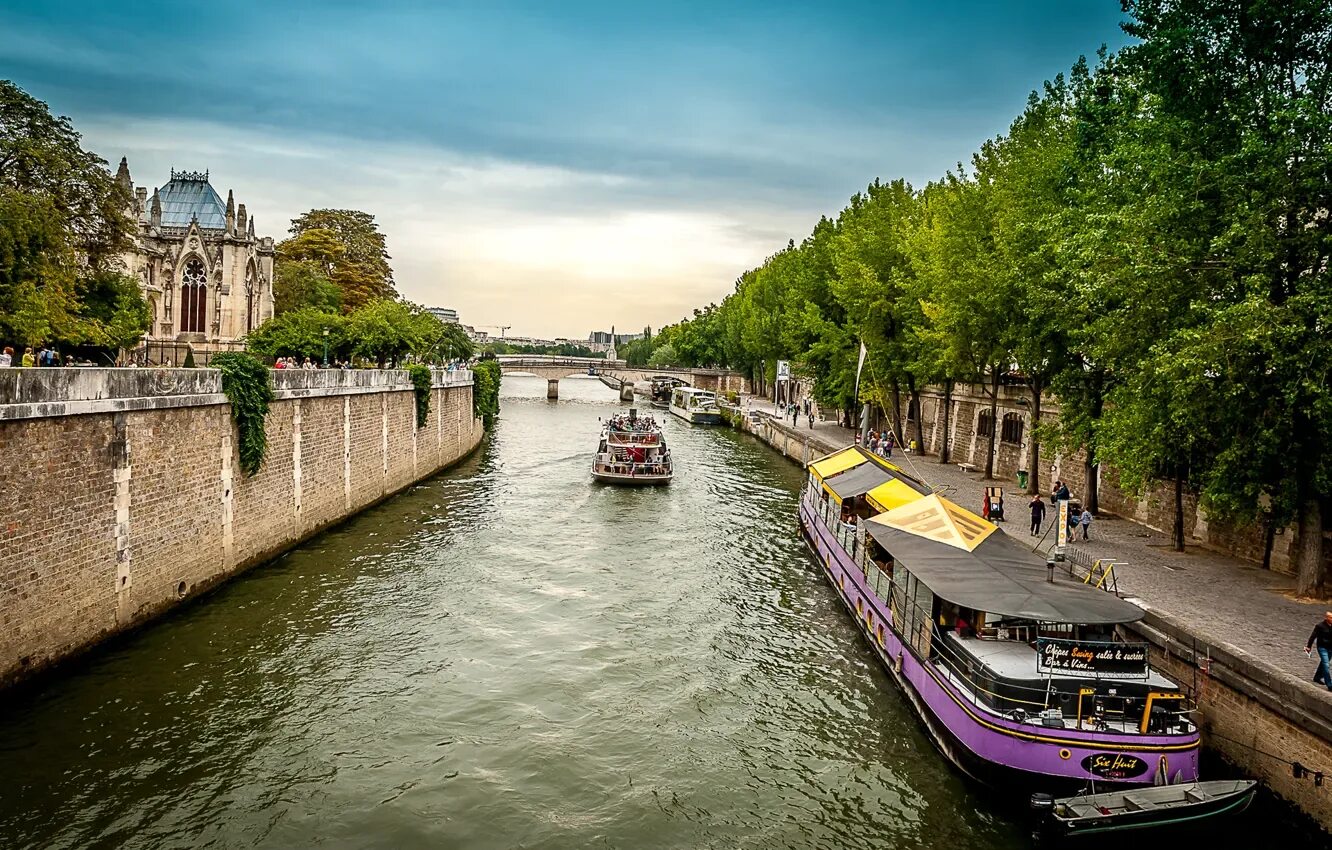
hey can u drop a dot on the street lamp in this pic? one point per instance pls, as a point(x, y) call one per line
point(325, 348)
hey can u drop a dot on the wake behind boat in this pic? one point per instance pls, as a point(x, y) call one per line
point(633, 452)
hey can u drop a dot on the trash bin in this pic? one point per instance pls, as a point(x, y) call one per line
point(1022, 479)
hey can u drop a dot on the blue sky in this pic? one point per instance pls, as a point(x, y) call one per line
point(557, 167)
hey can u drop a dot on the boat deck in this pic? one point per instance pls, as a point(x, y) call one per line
point(1010, 659)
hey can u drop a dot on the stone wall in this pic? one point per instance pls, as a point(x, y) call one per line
point(121, 493)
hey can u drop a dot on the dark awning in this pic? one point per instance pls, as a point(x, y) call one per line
point(857, 480)
point(998, 575)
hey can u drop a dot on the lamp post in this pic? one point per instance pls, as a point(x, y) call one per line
point(325, 348)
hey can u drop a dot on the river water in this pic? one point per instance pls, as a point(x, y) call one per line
point(505, 656)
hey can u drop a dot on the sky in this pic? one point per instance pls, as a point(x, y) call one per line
point(558, 167)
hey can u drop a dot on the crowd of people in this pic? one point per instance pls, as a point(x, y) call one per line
point(45, 356)
point(623, 423)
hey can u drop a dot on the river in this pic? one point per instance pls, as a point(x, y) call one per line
point(506, 655)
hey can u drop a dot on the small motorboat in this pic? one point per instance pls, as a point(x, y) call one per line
point(1185, 806)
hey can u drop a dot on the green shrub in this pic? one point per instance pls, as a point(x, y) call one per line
point(246, 385)
point(421, 384)
point(485, 391)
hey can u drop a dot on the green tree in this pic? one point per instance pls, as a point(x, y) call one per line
point(350, 247)
point(298, 284)
point(384, 331)
point(664, 355)
point(300, 333)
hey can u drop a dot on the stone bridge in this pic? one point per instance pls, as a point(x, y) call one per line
point(616, 373)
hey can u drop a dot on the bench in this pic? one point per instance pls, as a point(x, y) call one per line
point(1134, 803)
point(967, 467)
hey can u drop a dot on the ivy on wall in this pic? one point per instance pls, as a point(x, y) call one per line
point(485, 391)
point(245, 382)
point(421, 384)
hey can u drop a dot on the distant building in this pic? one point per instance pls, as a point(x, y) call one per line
point(207, 278)
point(611, 338)
point(447, 315)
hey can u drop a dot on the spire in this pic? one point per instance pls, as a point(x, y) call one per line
point(123, 175)
point(240, 218)
point(231, 212)
point(156, 214)
point(250, 231)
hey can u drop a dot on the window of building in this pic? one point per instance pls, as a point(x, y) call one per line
point(1011, 429)
point(985, 425)
point(193, 297)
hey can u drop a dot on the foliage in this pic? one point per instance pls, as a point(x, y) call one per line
point(62, 224)
point(663, 355)
point(347, 247)
point(1149, 241)
point(246, 383)
point(421, 380)
point(298, 284)
point(300, 333)
point(563, 349)
point(385, 331)
point(485, 391)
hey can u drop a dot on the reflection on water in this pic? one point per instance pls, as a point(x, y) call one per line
point(508, 655)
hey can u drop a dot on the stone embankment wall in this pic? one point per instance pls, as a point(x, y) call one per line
point(121, 493)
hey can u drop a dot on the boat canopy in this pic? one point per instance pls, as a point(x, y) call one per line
point(837, 462)
point(968, 561)
point(855, 472)
point(857, 480)
point(894, 494)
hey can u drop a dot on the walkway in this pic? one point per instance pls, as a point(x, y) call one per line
point(1223, 600)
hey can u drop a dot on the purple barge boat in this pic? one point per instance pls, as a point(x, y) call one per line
point(1017, 674)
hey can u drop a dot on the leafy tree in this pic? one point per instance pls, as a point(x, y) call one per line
point(351, 250)
point(300, 333)
point(664, 355)
point(384, 331)
point(298, 284)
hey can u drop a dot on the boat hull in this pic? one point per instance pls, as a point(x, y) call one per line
point(996, 751)
point(697, 417)
point(631, 480)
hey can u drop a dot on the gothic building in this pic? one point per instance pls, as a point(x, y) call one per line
point(207, 277)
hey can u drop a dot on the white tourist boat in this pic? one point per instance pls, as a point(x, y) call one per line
point(698, 407)
point(632, 451)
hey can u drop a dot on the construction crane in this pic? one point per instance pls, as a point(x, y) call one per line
point(502, 328)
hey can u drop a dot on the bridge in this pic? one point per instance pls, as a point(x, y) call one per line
point(616, 373)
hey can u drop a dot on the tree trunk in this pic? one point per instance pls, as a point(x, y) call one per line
point(994, 425)
point(1034, 458)
point(1269, 540)
point(1177, 532)
point(947, 419)
point(1092, 467)
point(1309, 557)
point(897, 412)
point(913, 406)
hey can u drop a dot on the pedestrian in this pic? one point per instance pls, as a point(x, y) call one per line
point(28, 359)
point(889, 441)
point(1321, 637)
point(1085, 521)
point(795, 416)
point(6, 357)
point(1037, 514)
point(873, 442)
point(1061, 492)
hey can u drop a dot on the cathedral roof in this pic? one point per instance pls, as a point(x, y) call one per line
point(189, 195)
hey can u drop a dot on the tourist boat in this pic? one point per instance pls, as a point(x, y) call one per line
point(698, 407)
point(1017, 672)
point(1110, 814)
point(661, 388)
point(632, 451)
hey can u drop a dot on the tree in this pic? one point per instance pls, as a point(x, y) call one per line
point(351, 250)
point(300, 333)
point(303, 283)
point(383, 331)
point(663, 355)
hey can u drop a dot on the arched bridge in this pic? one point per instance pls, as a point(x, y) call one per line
point(615, 373)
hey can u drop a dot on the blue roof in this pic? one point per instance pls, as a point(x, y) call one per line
point(189, 195)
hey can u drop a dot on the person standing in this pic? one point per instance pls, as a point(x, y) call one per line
point(1321, 637)
point(6, 357)
point(1037, 514)
point(28, 359)
point(1085, 521)
point(888, 442)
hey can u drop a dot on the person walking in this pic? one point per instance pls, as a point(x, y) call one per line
point(1085, 521)
point(1037, 514)
point(1321, 638)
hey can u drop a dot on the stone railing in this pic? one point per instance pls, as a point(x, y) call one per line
point(39, 393)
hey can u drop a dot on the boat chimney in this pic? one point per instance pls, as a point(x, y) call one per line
point(633, 413)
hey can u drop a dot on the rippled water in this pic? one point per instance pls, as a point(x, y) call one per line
point(505, 656)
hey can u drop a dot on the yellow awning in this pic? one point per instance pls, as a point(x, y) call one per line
point(935, 518)
point(893, 494)
point(837, 462)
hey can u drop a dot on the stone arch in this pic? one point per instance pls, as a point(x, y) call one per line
point(252, 284)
